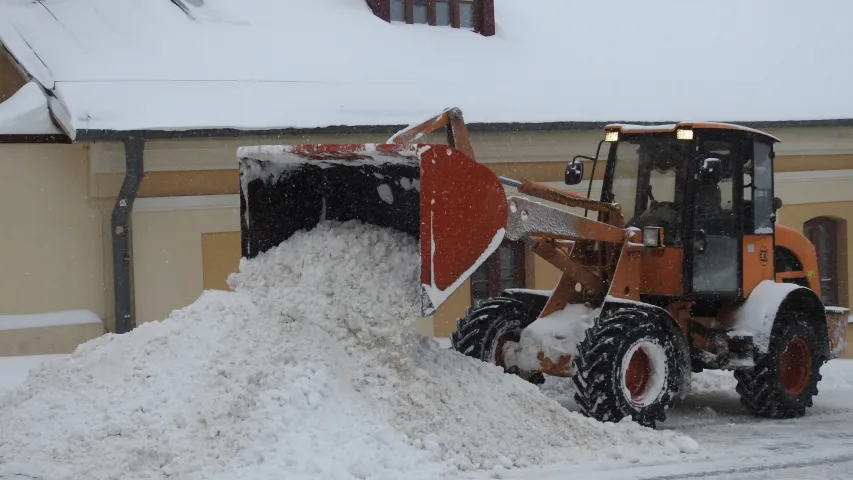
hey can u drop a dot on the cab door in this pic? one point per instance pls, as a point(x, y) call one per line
point(759, 216)
point(713, 250)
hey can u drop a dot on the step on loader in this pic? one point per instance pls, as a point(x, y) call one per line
point(679, 266)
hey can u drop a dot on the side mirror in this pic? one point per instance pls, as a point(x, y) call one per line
point(777, 203)
point(711, 169)
point(574, 173)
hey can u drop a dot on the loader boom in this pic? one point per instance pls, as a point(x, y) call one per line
point(458, 137)
point(451, 119)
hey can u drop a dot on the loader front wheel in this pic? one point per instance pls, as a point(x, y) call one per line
point(629, 365)
point(485, 331)
point(784, 380)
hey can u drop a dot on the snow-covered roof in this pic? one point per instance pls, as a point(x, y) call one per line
point(259, 64)
point(26, 113)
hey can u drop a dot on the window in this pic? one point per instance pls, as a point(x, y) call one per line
point(398, 10)
point(715, 241)
point(449, 13)
point(476, 15)
point(786, 261)
point(824, 232)
point(762, 198)
point(504, 269)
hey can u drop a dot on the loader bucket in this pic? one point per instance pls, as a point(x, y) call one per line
point(455, 206)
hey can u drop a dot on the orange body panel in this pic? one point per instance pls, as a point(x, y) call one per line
point(662, 272)
point(804, 250)
point(680, 311)
point(563, 295)
point(626, 279)
point(757, 261)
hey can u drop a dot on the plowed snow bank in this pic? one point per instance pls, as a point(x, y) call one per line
point(306, 371)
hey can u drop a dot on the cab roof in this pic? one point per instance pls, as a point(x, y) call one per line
point(671, 127)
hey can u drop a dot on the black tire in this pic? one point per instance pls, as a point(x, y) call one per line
point(482, 330)
point(607, 390)
point(783, 382)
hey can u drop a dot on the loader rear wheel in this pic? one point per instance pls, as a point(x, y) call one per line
point(628, 365)
point(784, 380)
point(484, 331)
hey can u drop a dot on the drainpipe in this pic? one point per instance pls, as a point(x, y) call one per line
point(134, 144)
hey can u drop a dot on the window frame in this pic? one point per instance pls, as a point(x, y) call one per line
point(409, 12)
point(763, 190)
point(493, 271)
point(810, 229)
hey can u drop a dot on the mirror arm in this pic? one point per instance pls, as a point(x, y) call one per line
point(592, 174)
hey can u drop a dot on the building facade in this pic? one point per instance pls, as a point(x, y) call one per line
point(61, 200)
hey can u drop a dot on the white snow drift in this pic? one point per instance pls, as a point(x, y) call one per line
point(307, 370)
point(555, 335)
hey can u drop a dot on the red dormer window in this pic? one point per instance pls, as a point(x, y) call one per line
point(475, 15)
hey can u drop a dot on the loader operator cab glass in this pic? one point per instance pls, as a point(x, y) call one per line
point(648, 181)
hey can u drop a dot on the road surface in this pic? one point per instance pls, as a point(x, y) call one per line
point(733, 444)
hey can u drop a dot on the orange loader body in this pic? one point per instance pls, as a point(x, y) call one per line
point(674, 289)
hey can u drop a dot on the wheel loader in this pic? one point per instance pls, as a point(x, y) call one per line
point(679, 266)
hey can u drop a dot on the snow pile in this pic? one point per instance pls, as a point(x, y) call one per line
point(307, 370)
point(708, 381)
point(14, 370)
point(837, 375)
point(26, 112)
point(555, 335)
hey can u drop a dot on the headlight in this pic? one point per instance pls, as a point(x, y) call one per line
point(684, 134)
point(651, 236)
point(611, 136)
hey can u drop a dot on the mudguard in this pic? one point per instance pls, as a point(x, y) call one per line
point(759, 312)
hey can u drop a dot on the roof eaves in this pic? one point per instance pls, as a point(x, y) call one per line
point(104, 134)
point(28, 138)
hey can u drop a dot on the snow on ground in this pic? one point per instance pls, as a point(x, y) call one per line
point(734, 443)
point(14, 370)
point(307, 370)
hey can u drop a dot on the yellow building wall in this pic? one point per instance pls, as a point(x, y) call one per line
point(168, 269)
point(848, 347)
point(220, 257)
point(50, 238)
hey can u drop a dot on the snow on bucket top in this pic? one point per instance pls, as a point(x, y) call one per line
point(307, 370)
point(288, 157)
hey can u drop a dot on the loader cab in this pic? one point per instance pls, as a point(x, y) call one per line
point(710, 188)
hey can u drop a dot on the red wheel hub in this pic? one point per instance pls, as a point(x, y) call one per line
point(795, 366)
point(638, 374)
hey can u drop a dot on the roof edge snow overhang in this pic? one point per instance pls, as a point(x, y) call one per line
point(104, 134)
